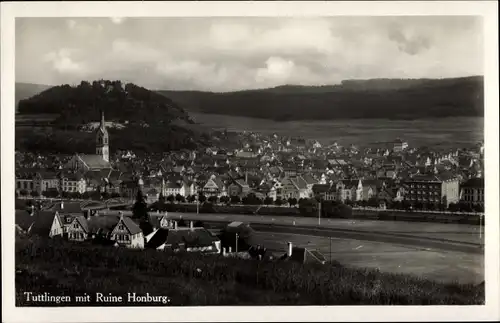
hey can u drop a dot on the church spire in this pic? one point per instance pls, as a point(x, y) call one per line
point(103, 123)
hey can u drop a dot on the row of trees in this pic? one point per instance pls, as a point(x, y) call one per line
point(250, 199)
point(95, 195)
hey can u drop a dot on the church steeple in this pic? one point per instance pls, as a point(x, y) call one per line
point(102, 144)
point(103, 123)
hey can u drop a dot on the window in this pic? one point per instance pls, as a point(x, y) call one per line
point(75, 225)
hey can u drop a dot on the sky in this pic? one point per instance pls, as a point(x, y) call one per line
point(229, 54)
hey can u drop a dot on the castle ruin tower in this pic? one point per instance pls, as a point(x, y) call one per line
point(102, 145)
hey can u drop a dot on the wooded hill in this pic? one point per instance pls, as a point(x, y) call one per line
point(375, 98)
point(152, 122)
point(83, 103)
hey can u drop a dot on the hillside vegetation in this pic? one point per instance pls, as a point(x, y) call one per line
point(377, 98)
point(61, 268)
point(152, 122)
point(27, 90)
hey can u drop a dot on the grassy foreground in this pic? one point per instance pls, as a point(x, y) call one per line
point(61, 268)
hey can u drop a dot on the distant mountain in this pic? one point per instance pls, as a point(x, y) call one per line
point(27, 90)
point(153, 122)
point(373, 98)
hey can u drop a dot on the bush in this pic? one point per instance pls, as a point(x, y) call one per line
point(193, 279)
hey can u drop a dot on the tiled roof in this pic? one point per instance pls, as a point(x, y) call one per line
point(474, 183)
point(131, 225)
point(94, 161)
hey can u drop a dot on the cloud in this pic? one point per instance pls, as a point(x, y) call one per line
point(409, 44)
point(62, 62)
point(71, 24)
point(117, 20)
point(222, 54)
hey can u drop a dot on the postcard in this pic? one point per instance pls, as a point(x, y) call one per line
point(234, 161)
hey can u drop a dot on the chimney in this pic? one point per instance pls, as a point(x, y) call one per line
point(87, 212)
point(229, 249)
point(121, 215)
point(32, 210)
point(191, 225)
point(175, 225)
point(224, 251)
point(290, 248)
point(62, 205)
point(246, 177)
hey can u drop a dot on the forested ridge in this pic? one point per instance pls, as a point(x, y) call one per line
point(151, 122)
point(375, 98)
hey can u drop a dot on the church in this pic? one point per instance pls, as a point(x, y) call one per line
point(97, 162)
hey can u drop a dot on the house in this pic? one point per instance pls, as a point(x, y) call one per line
point(78, 230)
point(127, 233)
point(172, 188)
point(38, 180)
point(214, 187)
point(190, 239)
point(327, 192)
point(351, 190)
point(370, 188)
point(287, 188)
point(472, 192)
point(121, 231)
point(432, 189)
point(399, 145)
point(238, 187)
point(73, 183)
point(188, 188)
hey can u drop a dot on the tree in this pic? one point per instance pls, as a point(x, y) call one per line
point(278, 201)
point(191, 198)
point(213, 199)
point(292, 201)
point(198, 224)
point(268, 200)
point(179, 198)
point(171, 198)
point(225, 199)
point(372, 202)
point(35, 193)
point(181, 223)
point(140, 208)
point(105, 195)
point(95, 195)
point(161, 199)
point(235, 199)
point(202, 198)
point(115, 195)
point(23, 192)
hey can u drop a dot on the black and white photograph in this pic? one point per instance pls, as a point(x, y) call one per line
point(174, 160)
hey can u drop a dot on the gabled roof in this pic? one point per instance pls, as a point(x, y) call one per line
point(83, 223)
point(102, 223)
point(43, 222)
point(132, 227)
point(94, 161)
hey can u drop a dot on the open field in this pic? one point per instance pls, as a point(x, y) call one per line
point(445, 266)
point(435, 132)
